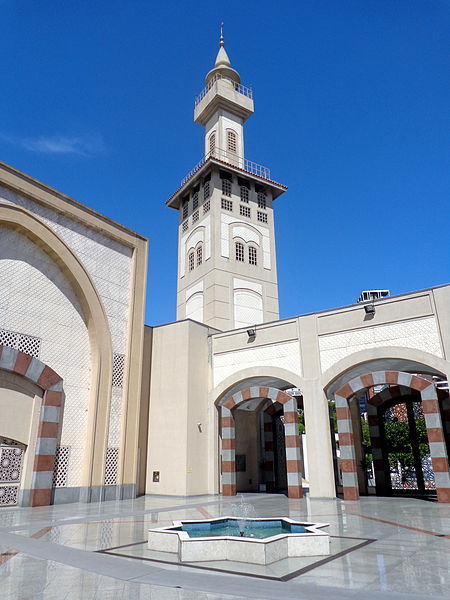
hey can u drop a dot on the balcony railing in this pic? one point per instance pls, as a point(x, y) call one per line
point(241, 89)
point(232, 159)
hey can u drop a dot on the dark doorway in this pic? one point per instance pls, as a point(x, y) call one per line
point(279, 453)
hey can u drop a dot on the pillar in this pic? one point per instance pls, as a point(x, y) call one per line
point(436, 440)
point(347, 449)
point(228, 452)
point(292, 443)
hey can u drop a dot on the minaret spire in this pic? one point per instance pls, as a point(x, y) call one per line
point(222, 42)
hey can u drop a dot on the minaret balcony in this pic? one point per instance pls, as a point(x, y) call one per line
point(223, 92)
point(233, 160)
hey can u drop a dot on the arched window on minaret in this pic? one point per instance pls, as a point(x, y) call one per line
point(199, 253)
point(191, 261)
point(239, 250)
point(231, 141)
point(212, 143)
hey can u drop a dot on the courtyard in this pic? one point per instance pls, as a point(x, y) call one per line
point(380, 547)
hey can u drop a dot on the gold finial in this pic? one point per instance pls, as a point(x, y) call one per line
point(222, 43)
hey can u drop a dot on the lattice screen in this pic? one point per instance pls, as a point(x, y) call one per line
point(20, 341)
point(118, 369)
point(112, 459)
point(61, 466)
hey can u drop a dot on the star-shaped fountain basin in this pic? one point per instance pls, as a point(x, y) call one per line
point(251, 540)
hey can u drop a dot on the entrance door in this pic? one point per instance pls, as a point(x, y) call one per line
point(280, 454)
point(11, 458)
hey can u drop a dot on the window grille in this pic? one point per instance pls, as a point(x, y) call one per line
point(185, 226)
point(239, 251)
point(226, 187)
point(118, 369)
point(20, 341)
point(61, 466)
point(199, 256)
point(262, 202)
point(244, 211)
point(206, 190)
point(252, 255)
point(262, 217)
point(206, 206)
point(195, 217)
point(185, 210)
point(191, 261)
point(195, 201)
point(231, 141)
point(111, 463)
point(212, 143)
point(244, 193)
point(227, 204)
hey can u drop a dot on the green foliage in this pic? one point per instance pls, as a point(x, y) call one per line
point(301, 422)
point(398, 443)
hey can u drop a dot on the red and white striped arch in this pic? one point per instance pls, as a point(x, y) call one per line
point(50, 418)
point(433, 421)
point(292, 439)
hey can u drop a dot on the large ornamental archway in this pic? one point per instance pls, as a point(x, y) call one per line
point(228, 407)
point(50, 420)
point(395, 382)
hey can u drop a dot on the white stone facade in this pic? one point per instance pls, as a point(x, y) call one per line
point(419, 334)
point(38, 300)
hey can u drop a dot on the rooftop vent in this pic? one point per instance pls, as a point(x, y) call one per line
point(371, 295)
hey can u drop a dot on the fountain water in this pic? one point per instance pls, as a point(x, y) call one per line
point(243, 512)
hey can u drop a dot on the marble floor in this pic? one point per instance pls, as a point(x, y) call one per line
point(381, 547)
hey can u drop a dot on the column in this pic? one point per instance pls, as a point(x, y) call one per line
point(292, 442)
point(228, 453)
point(347, 449)
point(436, 440)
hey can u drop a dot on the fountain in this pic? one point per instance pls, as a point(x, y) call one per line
point(243, 511)
point(241, 538)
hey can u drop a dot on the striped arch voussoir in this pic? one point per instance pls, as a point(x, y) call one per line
point(391, 378)
point(255, 392)
point(50, 418)
point(390, 393)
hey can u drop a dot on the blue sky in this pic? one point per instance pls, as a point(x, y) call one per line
point(351, 112)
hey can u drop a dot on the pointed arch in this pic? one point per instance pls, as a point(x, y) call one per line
point(100, 339)
point(433, 423)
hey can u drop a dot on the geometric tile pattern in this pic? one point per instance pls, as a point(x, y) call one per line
point(10, 463)
point(118, 369)
point(433, 422)
point(9, 495)
point(66, 346)
point(112, 461)
point(20, 341)
point(285, 355)
point(107, 261)
point(419, 334)
point(37, 298)
point(114, 416)
point(291, 436)
point(61, 466)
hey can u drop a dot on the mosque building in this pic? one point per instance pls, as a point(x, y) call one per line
point(95, 405)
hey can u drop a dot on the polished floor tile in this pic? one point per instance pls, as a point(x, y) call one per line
point(53, 552)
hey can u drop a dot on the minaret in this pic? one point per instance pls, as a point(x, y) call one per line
point(227, 275)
